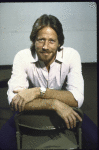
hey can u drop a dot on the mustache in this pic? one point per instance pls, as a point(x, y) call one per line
point(44, 51)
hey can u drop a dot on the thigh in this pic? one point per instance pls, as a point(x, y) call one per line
point(89, 133)
point(8, 135)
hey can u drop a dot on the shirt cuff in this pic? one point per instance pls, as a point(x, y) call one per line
point(78, 97)
point(10, 96)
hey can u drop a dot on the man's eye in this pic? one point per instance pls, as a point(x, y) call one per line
point(41, 40)
point(52, 41)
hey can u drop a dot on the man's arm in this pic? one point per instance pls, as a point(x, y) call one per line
point(39, 104)
point(63, 96)
point(63, 110)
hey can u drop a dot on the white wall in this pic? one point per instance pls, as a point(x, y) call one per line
point(78, 20)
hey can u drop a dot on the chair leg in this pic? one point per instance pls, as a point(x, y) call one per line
point(18, 137)
point(21, 141)
point(80, 138)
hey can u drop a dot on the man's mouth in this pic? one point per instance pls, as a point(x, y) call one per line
point(45, 53)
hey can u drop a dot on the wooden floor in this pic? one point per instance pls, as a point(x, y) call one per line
point(89, 107)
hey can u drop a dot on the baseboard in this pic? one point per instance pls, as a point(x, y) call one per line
point(4, 67)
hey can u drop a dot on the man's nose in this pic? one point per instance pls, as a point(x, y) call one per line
point(45, 45)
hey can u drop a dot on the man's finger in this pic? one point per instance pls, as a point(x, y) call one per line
point(15, 102)
point(67, 123)
point(23, 105)
point(77, 116)
point(14, 99)
point(74, 119)
point(11, 106)
point(71, 122)
point(19, 105)
point(16, 105)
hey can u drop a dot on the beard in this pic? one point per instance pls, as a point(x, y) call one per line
point(47, 56)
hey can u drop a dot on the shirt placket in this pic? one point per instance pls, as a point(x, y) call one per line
point(51, 76)
point(46, 75)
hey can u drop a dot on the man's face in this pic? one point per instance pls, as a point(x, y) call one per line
point(46, 45)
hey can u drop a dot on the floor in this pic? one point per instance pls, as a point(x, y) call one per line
point(89, 107)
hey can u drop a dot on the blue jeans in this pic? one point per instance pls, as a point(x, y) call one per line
point(8, 134)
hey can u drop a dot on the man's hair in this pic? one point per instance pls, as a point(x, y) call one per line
point(44, 21)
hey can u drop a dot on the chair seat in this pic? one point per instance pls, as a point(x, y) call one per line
point(64, 140)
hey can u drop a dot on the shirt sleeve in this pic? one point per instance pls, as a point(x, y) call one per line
point(18, 78)
point(75, 82)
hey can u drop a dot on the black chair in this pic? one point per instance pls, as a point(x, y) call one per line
point(40, 129)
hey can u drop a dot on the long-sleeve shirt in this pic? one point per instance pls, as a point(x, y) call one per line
point(65, 73)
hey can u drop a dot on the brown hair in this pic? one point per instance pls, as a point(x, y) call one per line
point(43, 21)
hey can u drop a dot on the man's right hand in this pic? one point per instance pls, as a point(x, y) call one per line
point(16, 104)
point(23, 97)
point(67, 114)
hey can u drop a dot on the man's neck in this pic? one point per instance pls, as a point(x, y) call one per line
point(48, 68)
point(48, 64)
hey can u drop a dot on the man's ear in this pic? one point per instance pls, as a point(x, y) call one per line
point(58, 45)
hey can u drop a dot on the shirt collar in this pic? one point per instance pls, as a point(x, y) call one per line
point(34, 58)
point(59, 57)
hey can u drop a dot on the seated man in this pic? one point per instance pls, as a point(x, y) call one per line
point(46, 76)
point(53, 71)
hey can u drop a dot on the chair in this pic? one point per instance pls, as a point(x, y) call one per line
point(40, 129)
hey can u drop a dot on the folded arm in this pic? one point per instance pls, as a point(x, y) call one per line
point(34, 93)
point(61, 95)
point(63, 110)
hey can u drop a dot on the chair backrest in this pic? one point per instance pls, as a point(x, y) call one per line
point(43, 119)
point(50, 121)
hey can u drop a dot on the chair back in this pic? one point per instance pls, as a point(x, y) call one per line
point(43, 119)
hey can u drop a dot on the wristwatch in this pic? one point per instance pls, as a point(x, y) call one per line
point(42, 91)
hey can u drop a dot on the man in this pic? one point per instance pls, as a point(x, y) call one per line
point(53, 70)
point(46, 76)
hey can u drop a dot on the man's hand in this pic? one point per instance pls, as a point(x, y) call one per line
point(67, 114)
point(24, 96)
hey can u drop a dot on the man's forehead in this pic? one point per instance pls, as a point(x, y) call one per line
point(47, 32)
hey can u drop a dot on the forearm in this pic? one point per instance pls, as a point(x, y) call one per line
point(63, 96)
point(39, 104)
point(33, 94)
point(63, 110)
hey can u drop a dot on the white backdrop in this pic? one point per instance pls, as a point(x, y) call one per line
point(78, 20)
